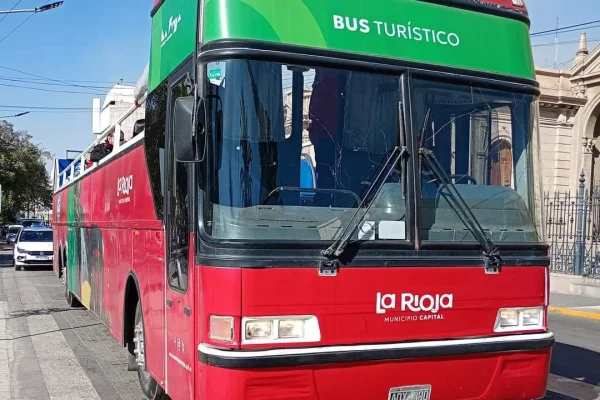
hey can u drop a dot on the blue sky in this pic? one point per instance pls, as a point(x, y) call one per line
point(109, 40)
point(83, 40)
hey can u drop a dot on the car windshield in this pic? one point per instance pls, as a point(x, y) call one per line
point(292, 151)
point(486, 142)
point(36, 236)
point(29, 223)
point(13, 230)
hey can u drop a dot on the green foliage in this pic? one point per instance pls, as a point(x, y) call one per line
point(23, 175)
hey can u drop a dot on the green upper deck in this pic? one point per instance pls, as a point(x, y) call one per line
point(409, 30)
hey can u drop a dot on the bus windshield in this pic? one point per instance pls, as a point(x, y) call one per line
point(486, 142)
point(292, 151)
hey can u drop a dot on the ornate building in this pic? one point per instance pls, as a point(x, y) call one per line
point(570, 130)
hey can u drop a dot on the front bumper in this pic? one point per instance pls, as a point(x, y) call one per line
point(377, 352)
point(506, 367)
point(33, 261)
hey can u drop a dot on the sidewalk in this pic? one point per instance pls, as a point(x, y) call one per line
point(577, 306)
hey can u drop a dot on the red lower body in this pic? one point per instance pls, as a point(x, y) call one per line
point(499, 376)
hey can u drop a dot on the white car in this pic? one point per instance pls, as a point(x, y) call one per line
point(33, 248)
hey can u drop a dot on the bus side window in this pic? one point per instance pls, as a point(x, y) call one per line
point(178, 190)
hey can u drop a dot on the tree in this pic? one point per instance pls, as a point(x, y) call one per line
point(23, 175)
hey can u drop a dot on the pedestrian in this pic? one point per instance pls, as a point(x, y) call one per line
point(101, 150)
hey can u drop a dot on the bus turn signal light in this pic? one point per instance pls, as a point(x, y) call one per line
point(221, 329)
point(519, 319)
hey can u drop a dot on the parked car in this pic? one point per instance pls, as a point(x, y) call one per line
point(33, 248)
point(13, 231)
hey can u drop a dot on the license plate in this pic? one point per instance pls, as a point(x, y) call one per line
point(42, 258)
point(420, 392)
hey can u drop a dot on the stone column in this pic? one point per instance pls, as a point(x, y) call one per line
point(588, 160)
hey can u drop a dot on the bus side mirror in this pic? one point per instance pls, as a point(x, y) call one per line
point(189, 145)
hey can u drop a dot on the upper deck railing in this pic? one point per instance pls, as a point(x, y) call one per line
point(79, 168)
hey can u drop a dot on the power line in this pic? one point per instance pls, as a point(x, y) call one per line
point(571, 30)
point(118, 81)
point(45, 108)
point(21, 24)
point(559, 30)
point(589, 40)
point(47, 90)
point(50, 79)
point(55, 112)
point(39, 82)
point(48, 84)
point(13, 7)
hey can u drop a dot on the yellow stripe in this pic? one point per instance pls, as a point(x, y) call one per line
point(575, 313)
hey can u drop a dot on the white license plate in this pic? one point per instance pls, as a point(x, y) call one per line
point(420, 392)
point(43, 258)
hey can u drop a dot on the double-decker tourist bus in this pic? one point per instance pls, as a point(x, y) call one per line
point(328, 200)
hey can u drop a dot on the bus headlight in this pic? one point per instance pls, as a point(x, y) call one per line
point(519, 319)
point(288, 329)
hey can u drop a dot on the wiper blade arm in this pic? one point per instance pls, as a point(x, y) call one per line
point(339, 246)
point(490, 251)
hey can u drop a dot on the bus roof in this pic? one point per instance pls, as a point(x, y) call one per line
point(518, 5)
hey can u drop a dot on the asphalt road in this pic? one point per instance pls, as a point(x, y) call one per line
point(48, 351)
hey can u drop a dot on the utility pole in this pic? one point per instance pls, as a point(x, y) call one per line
point(556, 43)
point(35, 10)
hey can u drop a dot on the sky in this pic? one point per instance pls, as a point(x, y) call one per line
point(107, 41)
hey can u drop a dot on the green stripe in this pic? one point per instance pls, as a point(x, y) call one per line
point(402, 29)
point(173, 38)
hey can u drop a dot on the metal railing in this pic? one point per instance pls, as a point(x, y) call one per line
point(77, 169)
point(573, 230)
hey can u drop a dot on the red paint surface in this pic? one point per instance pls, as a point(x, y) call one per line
point(501, 377)
point(134, 243)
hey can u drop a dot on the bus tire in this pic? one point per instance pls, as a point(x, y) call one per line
point(71, 300)
point(149, 386)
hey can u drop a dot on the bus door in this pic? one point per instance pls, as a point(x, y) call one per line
point(180, 346)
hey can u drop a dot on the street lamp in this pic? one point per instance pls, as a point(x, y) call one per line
point(35, 10)
point(16, 115)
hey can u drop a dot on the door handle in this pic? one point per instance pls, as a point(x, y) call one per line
point(169, 302)
point(187, 311)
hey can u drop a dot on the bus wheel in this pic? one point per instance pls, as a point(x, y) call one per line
point(71, 300)
point(149, 386)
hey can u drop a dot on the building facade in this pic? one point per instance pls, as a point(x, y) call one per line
point(570, 130)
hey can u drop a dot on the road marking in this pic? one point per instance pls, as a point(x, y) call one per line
point(575, 313)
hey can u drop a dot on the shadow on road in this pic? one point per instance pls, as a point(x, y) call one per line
point(33, 313)
point(576, 363)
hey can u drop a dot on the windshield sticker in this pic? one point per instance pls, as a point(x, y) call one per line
point(392, 230)
point(367, 231)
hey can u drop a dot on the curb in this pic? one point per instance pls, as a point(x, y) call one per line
point(574, 313)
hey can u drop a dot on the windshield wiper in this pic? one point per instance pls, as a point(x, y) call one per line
point(493, 261)
point(333, 252)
